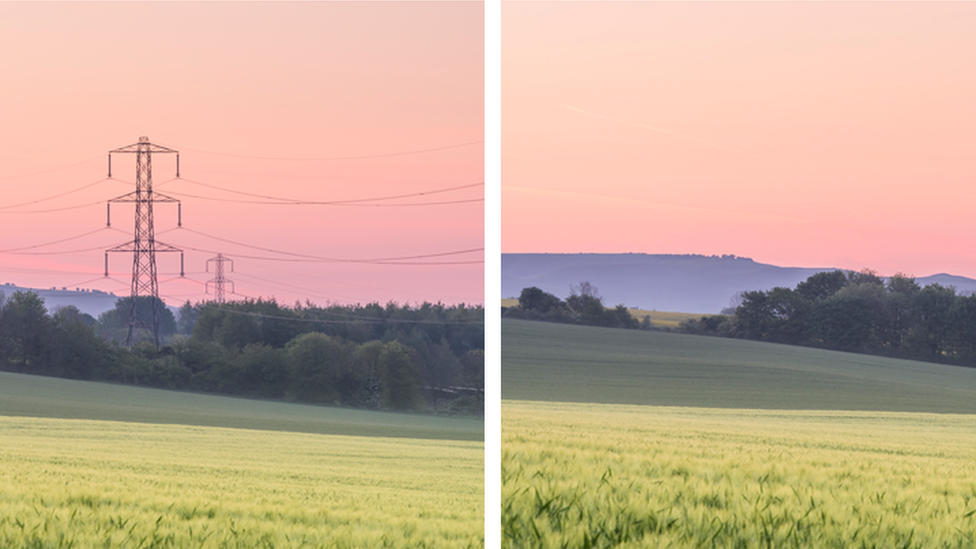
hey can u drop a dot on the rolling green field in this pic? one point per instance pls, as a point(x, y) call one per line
point(36, 396)
point(555, 362)
point(166, 471)
point(619, 438)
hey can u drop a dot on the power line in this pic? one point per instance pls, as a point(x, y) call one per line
point(385, 260)
point(83, 187)
point(51, 170)
point(12, 250)
point(239, 201)
point(295, 260)
point(360, 157)
point(59, 252)
point(350, 202)
point(277, 285)
point(66, 208)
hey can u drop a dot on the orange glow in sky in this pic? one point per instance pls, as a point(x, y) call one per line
point(815, 134)
point(311, 101)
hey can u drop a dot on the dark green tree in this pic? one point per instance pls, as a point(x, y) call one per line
point(81, 354)
point(315, 361)
point(854, 319)
point(754, 315)
point(534, 299)
point(962, 330)
point(822, 285)
point(187, 319)
point(28, 333)
point(401, 380)
point(928, 336)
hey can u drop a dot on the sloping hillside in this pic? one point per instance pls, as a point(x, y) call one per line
point(37, 396)
point(558, 362)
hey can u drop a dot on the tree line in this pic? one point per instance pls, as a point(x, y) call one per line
point(392, 357)
point(583, 306)
point(857, 312)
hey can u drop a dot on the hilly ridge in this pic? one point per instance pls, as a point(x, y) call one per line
point(686, 283)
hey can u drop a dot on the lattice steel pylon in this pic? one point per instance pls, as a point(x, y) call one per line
point(144, 244)
point(219, 281)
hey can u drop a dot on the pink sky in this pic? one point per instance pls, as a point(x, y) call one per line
point(270, 83)
point(817, 134)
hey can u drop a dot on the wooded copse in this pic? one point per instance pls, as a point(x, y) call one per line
point(393, 357)
point(583, 306)
point(857, 312)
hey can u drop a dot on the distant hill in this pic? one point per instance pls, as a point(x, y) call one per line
point(686, 283)
point(93, 302)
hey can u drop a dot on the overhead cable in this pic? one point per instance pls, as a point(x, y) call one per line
point(337, 202)
point(305, 257)
point(314, 159)
point(51, 170)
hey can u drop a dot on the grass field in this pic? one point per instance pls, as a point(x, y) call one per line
point(168, 473)
point(622, 438)
point(554, 362)
point(36, 396)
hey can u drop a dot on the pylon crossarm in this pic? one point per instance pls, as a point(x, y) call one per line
point(161, 247)
point(134, 148)
point(133, 197)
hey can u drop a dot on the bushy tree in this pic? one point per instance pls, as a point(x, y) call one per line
point(534, 299)
point(315, 361)
point(27, 333)
point(401, 380)
point(928, 335)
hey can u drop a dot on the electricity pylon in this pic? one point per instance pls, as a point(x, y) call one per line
point(144, 244)
point(218, 280)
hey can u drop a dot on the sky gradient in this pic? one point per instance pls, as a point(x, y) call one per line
point(313, 101)
point(816, 134)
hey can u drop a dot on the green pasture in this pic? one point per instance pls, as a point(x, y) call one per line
point(603, 475)
point(562, 363)
point(37, 396)
point(96, 465)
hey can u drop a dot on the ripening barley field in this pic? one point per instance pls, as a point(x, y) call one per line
point(621, 438)
point(125, 484)
point(598, 475)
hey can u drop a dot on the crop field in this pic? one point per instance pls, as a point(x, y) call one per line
point(622, 438)
point(664, 319)
point(582, 475)
point(82, 483)
point(660, 319)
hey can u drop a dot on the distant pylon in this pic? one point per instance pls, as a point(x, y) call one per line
point(218, 280)
point(144, 245)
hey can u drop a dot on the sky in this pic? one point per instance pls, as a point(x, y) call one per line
point(355, 102)
point(811, 134)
